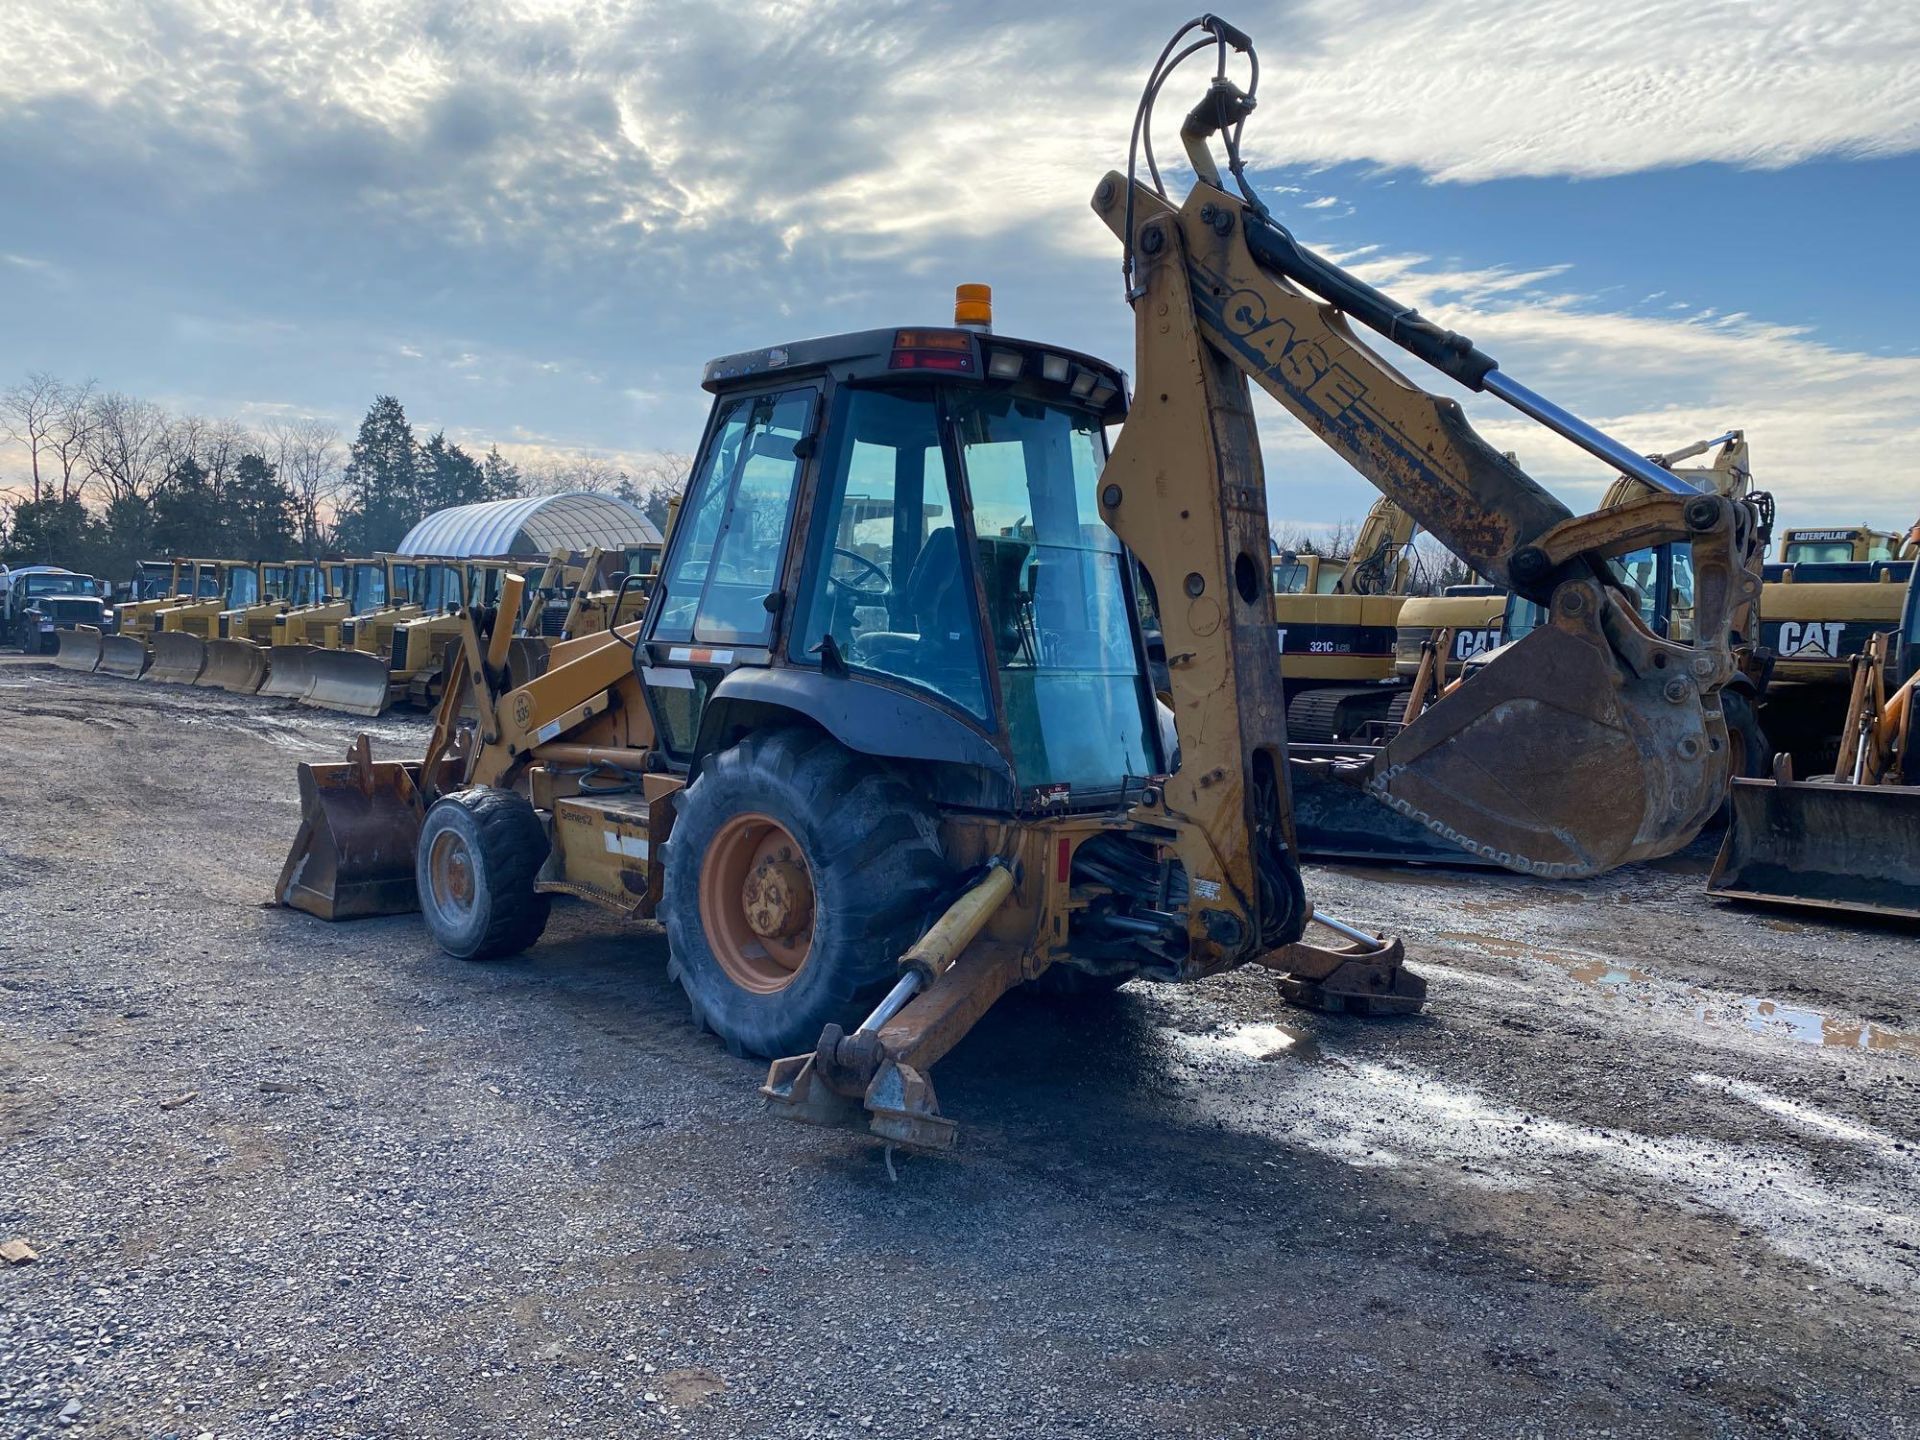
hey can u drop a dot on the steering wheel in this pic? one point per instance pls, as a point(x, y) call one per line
point(867, 568)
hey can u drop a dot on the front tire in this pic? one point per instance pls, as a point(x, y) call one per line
point(796, 876)
point(479, 852)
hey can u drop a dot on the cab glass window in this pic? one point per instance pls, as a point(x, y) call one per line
point(243, 588)
point(727, 557)
point(1058, 613)
point(887, 589)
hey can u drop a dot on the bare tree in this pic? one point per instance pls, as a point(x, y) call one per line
point(311, 461)
point(72, 434)
point(127, 450)
point(557, 475)
point(29, 413)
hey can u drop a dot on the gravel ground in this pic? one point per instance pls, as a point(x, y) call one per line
point(1645, 1166)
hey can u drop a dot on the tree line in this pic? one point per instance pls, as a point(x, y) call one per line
point(104, 480)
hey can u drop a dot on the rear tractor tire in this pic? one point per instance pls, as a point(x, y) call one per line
point(796, 876)
point(479, 852)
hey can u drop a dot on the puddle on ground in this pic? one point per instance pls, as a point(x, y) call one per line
point(1810, 1027)
point(1756, 1014)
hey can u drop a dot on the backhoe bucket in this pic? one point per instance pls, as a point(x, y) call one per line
point(289, 673)
point(178, 658)
point(1853, 848)
point(527, 658)
point(351, 681)
point(1558, 759)
point(1335, 820)
point(359, 827)
point(79, 648)
point(237, 666)
point(122, 655)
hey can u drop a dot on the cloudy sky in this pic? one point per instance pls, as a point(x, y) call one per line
point(533, 220)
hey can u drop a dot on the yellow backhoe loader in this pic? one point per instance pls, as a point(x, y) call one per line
point(885, 743)
point(180, 632)
point(156, 585)
point(1847, 840)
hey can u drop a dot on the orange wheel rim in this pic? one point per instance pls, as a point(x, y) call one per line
point(450, 872)
point(756, 903)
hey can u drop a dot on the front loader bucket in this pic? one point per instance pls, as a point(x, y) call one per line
point(178, 658)
point(351, 681)
point(1558, 759)
point(1852, 848)
point(79, 648)
point(122, 655)
point(289, 672)
point(237, 666)
point(353, 854)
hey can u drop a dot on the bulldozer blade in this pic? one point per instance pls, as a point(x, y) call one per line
point(178, 658)
point(351, 681)
point(1854, 848)
point(79, 648)
point(122, 655)
point(289, 673)
point(1335, 819)
point(237, 666)
point(353, 855)
point(1559, 759)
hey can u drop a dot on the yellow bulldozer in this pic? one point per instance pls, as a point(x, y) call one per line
point(354, 587)
point(156, 585)
point(236, 659)
point(1847, 839)
point(886, 745)
point(180, 632)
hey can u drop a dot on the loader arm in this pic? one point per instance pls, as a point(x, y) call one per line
point(1592, 742)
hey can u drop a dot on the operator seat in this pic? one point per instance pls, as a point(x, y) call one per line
point(935, 597)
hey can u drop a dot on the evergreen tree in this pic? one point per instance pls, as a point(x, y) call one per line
point(126, 537)
point(260, 510)
point(503, 480)
point(49, 531)
point(382, 481)
point(449, 476)
point(187, 515)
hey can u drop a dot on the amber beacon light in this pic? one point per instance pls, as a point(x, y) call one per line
point(973, 306)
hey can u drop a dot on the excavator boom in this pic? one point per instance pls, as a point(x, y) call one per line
point(1592, 742)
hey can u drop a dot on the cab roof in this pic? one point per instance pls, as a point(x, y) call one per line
point(930, 353)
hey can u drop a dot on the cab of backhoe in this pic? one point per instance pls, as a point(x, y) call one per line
point(896, 535)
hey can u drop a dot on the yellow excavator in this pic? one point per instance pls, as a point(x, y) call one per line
point(1336, 627)
point(886, 744)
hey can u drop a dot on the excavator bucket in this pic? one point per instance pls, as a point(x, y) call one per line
point(289, 672)
point(178, 658)
point(237, 666)
point(123, 655)
point(1853, 848)
point(351, 681)
point(1558, 759)
point(79, 648)
point(1335, 821)
point(359, 827)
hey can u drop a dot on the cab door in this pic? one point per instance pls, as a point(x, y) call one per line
point(719, 600)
